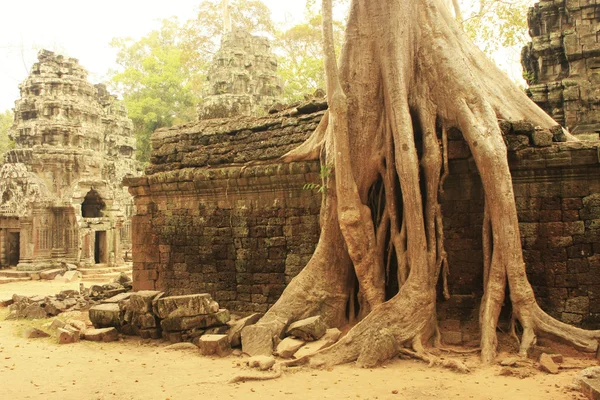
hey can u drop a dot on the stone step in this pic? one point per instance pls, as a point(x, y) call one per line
point(11, 280)
point(11, 273)
point(104, 270)
point(108, 277)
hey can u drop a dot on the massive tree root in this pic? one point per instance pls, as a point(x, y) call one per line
point(406, 74)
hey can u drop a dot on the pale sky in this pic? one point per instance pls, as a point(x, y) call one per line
point(83, 29)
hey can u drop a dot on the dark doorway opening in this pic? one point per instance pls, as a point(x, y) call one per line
point(14, 247)
point(100, 247)
point(92, 205)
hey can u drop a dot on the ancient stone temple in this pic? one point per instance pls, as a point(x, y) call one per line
point(218, 212)
point(242, 79)
point(61, 198)
point(561, 63)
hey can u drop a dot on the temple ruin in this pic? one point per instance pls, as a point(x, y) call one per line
point(61, 198)
point(561, 63)
point(242, 79)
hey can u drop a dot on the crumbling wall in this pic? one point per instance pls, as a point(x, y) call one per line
point(207, 220)
point(562, 60)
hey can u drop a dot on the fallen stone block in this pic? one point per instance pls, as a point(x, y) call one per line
point(57, 323)
point(288, 347)
point(262, 363)
point(173, 337)
point(34, 333)
point(144, 321)
point(186, 306)
point(588, 381)
point(34, 311)
point(117, 298)
point(105, 315)
point(199, 321)
point(235, 334)
point(541, 138)
point(67, 336)
point(331, 336)
point(547, 364)
point(510, 362)
point(214, 345)
point(141, 302)
point(54, 307)
point(50, 274)
point(102, 335)
point(557, 358)
point(77, 324)
point(257, 341)
point(69, 276)
point(6, 302)
point(309, 329)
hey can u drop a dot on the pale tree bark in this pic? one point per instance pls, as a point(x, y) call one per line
point(406, 74)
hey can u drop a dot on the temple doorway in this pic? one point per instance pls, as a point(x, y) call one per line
point(100, 252)
point(14, 246)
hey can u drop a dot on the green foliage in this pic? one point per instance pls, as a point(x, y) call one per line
point(496, 24)
point(301, 57)
point(324, 174)
point(155, 82)
point(6, 120)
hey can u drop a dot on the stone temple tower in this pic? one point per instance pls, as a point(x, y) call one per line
point(61, 198)
point(562, 63)
point(242, 79)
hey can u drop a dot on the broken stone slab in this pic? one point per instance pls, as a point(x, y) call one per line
point(331, 336)
point(547, 364)
point(67, 336)
point(214, 345)
point(171, 324)
point(50, 274)
point(262, 363)
point(309, 329)
point(34, 333)
point(105, 315)
point(588, 381)
point(34, 311)
point(257, 341)
point(54, 307)
point(141, 302)
point(288, 347)
point(102, 335)
point(186, 306)
point(77, 324)
point(557, 358)
point(6, 302)
point(235, 334)
point(117, 298)
point(69, 276)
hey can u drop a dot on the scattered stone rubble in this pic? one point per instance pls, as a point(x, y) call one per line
point(38, 307)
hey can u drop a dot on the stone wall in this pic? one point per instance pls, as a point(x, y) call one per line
point(208, 222)
point(561, 62)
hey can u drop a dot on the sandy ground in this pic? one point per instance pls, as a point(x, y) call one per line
point(136, 369)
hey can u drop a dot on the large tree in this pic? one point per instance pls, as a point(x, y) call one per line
point(406, 74)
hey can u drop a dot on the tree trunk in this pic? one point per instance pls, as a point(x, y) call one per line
point(407, 72)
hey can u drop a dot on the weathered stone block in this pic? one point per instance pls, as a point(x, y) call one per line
point(257, 341)
point(235, 334)
point(185, 306)
point(101, 335)
point(331, 336)
point(106, 315)
point(141, 302)
point(199, 321)
point(288, 347)
point(214, 345)
point(309, 329)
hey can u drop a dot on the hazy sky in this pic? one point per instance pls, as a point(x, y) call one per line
point(83, 29)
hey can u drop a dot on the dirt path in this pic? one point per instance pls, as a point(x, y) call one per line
point(135, 369)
